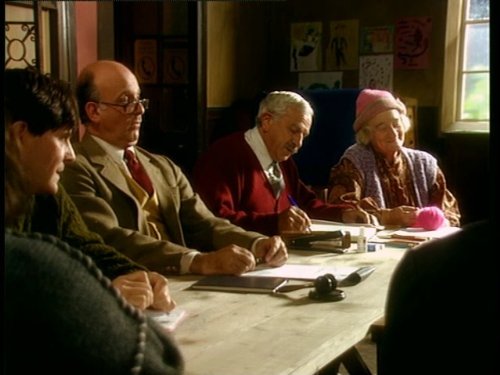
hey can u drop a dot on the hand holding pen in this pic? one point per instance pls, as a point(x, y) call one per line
point(293, 219)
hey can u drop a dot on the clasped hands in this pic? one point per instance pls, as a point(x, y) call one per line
point(144, 289)
point(404, 216)
point(236, 260)
point(294, 220)
point(150, 290)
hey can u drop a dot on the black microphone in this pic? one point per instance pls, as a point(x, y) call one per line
point(357, 276)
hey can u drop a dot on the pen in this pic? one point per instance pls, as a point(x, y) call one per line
point(259, 260)
point(292, 201)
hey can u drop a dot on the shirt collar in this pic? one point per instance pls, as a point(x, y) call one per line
point(116, 153)
point(256, 143)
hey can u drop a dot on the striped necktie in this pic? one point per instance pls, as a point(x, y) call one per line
point(276, 179)
point(137, 171)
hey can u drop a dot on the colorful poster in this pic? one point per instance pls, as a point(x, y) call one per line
point(379, 39)
point(320, 80)
point(305, 52)
point(413, 43)
point(343, 46)
point(376, 72)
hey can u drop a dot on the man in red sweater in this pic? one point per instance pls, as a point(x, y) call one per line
point(238, 179)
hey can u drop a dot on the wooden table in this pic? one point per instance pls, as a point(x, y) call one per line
point(253, 334)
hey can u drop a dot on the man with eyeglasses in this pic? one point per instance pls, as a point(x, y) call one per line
point(142, 203)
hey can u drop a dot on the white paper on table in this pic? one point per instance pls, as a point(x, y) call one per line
point(168, 320)
point(425, 234)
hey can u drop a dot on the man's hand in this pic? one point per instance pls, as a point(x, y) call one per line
point(230, 260)
point(293, 219)
point(272, 250)
point(145, 289)
point(135, 288)
point(161, 295)
point(355, 215)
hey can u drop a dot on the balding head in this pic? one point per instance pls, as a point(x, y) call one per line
point(105, 89)
point(99, 79)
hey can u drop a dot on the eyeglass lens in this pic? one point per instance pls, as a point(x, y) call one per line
point(133, 106)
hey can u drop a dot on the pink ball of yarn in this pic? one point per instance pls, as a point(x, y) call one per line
point(430, 218)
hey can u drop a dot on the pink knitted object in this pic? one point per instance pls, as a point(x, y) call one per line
point(372, 102)
point(430, 218)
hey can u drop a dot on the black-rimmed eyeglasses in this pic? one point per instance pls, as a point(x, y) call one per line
point(130, 107)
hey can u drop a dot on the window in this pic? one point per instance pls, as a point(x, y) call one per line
point(41, 34)
point(466, 86)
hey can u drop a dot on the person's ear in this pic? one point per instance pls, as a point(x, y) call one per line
point(265, 121)
point(93, 111)
point(18, 131)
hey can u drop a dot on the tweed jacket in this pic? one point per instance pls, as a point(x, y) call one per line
point(101, 192)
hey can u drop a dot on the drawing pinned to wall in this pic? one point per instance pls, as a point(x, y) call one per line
point(379, 39)
point(413, 42)
point(343, 46)
point(376, 72)
point(305, 46)
point(320, 80)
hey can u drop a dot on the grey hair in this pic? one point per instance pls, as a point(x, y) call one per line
point(278, 102)
point(363, 134)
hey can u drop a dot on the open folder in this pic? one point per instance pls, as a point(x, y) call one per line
point(309, 272)
point(274, 279)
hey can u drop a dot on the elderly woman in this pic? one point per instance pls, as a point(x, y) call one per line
point(381, 176)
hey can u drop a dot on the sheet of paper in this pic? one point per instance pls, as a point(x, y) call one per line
point(302, 271)
point(424, 234)
point(168, 320)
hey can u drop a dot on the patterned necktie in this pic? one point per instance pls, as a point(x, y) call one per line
point(276, 179)
point(137, 171)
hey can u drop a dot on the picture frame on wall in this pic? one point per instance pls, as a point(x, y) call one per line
point(175, 66)
point(146, 60)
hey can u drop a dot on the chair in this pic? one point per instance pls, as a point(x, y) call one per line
point(331, 134)
point(377, 331)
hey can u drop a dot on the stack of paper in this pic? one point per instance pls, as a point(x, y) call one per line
point(419, 233)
